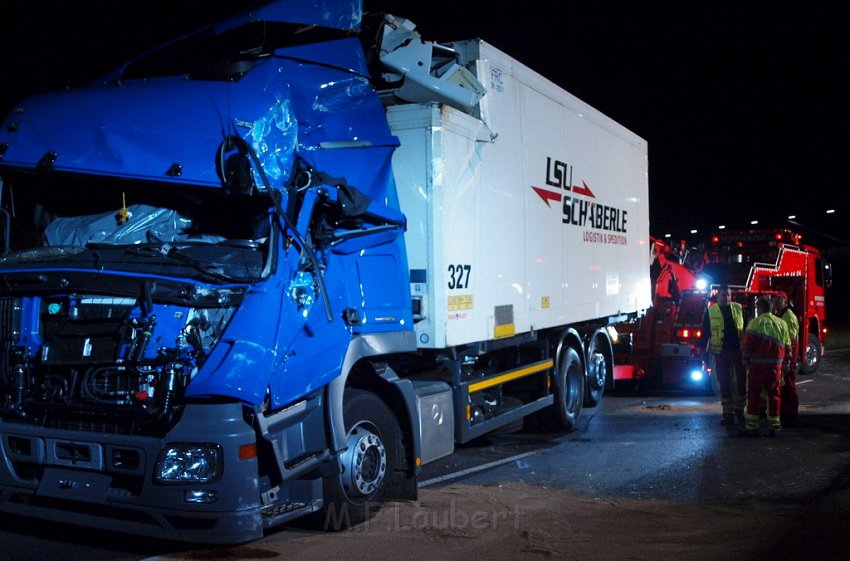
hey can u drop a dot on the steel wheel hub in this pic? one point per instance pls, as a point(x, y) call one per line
point(598, 370)
point(364, 464)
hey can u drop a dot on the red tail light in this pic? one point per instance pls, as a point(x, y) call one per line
point(687, 333)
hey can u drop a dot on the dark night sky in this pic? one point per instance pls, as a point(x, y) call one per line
point(743, 104)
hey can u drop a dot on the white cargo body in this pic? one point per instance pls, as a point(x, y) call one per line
point(536, 215)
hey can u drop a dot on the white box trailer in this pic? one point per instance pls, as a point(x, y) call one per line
point(533, 216)
point(527, 238)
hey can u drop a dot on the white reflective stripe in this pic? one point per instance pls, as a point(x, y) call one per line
point(475, 469)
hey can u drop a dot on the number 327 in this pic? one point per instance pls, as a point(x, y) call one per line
point(459, 276)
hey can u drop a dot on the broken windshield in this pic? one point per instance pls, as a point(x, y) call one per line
point(134, 226)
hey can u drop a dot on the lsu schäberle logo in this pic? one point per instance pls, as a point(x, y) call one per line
point(579, 206)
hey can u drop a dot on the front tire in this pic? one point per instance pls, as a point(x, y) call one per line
point(366, 466)
point(811, 361)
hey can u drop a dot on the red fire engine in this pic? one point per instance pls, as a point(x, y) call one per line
point(663, 347)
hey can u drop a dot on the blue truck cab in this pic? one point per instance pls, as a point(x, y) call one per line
point(185, 240)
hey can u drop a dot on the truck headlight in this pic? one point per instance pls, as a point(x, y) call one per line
point(189, 463)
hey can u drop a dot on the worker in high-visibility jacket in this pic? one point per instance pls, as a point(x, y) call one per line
point(790, 398)
point(765, 351)
point(723, 327)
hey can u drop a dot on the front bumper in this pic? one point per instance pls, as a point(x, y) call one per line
point(107, 481)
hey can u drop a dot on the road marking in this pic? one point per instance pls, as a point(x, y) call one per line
point(475, 469)
point(800, 383)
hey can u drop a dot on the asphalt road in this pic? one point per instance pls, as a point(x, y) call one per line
point(660, 445)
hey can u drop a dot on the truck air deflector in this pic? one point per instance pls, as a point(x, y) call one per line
point(309, 100)
point(337, 14)
point(108, 135)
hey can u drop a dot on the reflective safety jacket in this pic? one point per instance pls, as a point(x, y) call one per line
point(790, 320)
point(717, 325)
point(766, 341)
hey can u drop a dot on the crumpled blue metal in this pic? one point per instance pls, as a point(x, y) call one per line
point(302, 291)
point(342, 94)
point(338, 14)
point(274, 137)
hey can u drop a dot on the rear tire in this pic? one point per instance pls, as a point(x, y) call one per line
point(597, 375)
point(569, 393)
point(366, 466)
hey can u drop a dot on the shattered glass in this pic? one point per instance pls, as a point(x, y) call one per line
point(274, 138)
point(145, 222)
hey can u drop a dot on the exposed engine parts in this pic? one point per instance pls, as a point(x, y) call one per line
point(88, 355)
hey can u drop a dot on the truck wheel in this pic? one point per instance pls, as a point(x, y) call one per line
point(597, 375)
point(811, 361)
point(366, 466)
point(569, 394)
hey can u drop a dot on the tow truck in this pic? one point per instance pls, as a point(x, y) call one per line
point(662, 347)
point(777, 260)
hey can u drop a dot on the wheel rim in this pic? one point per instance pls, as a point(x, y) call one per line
point(811, 355)
point(598, 371)
point(364, 463)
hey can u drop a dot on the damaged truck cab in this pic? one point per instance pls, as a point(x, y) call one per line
point(183, 258)
point(211, 322)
